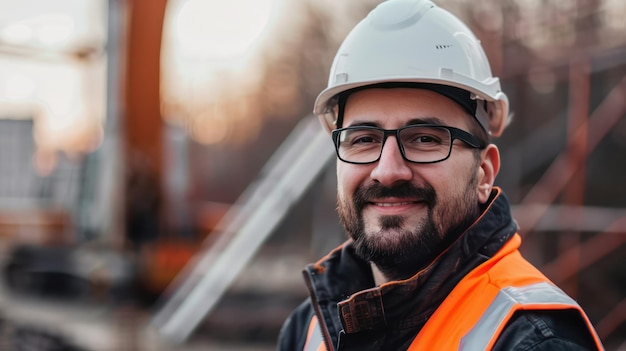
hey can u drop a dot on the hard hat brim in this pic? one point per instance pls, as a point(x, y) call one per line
point(326, 100)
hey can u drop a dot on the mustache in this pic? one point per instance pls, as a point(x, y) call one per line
point(364, 194)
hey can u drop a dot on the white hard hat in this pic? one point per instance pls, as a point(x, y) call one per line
point(414, 41)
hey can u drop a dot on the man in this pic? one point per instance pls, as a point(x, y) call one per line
point(432, 262)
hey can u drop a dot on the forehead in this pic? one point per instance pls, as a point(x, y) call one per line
point(393, 108)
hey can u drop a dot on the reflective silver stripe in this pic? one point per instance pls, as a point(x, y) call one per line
point(314, 341)
point(536, 294)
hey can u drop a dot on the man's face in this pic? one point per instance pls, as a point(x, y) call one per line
point(401, 215)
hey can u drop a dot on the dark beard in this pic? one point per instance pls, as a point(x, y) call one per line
point(411, 249)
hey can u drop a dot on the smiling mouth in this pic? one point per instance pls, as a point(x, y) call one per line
point(392, 204)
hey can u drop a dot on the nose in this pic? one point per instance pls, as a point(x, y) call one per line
point(391, 167)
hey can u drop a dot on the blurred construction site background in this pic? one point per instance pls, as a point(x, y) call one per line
point(145, 202)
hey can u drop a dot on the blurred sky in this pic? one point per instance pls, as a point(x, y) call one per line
point(52, 69)
point(53, 60)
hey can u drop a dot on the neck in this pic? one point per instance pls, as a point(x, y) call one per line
point(379, 277)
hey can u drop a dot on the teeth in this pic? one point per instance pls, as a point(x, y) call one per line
point(387, 204)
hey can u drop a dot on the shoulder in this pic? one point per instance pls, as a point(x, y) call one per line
point(546, 330)
point(294, 330)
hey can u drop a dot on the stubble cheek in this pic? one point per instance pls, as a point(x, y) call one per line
point(346, 187)
point(458, 208)
point(347, 214)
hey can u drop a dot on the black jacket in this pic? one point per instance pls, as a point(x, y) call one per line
point(397, 313)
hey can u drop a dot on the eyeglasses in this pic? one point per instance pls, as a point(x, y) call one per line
point(423, 143)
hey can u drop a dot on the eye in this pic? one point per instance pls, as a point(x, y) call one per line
point(361, 137)
point(422, 138)
point(426, 139)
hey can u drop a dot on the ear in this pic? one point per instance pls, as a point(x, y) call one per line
point(487, 172)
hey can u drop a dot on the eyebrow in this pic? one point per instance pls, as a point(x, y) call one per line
point(364, 124)
point(425, 120)
point(411, 122)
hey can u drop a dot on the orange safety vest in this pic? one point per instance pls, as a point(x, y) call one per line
point(474, 313)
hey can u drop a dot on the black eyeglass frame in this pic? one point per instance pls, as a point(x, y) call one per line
point(455, 133)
